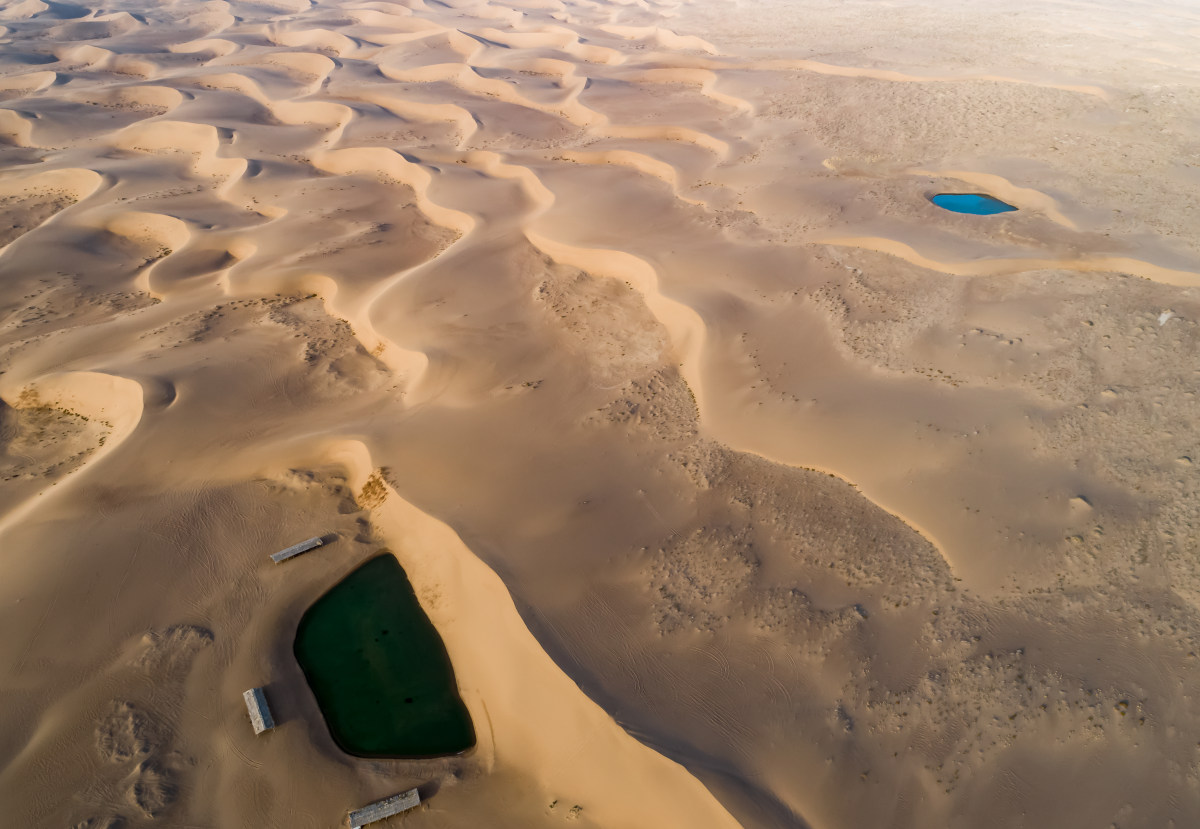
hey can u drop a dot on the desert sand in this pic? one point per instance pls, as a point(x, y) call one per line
point(745, 486)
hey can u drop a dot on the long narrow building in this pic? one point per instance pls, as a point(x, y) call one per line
point(260, 713)
point(297, 549)
point(387, 807)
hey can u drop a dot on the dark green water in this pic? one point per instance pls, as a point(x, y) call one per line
point(379, 670)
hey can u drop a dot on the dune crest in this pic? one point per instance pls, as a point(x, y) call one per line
point(115, 403)
point(988, 267)
point(200, 141)
point(902, 77)
point(28, 82)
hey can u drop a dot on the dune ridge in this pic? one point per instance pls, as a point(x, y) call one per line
point(902, 77)
point(114, 401)
point(988, 267)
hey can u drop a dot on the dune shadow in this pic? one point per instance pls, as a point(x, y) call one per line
point(485, 41)
point(276, 693)
point(738, 794)
point(66, 11)
point(428, 790)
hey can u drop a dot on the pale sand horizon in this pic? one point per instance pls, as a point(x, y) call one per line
point(745, 486)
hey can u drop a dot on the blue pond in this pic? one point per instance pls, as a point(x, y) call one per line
point(974, 203)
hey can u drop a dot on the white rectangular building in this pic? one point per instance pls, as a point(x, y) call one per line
point(260, 714)
point(297, 549)
point(387, 807)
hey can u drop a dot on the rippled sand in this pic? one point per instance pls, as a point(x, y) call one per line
point(745, 486)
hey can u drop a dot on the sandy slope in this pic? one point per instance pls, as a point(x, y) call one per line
point(746, 486)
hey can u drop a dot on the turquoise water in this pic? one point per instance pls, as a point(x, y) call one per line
point(976, 204)
point(379, 670)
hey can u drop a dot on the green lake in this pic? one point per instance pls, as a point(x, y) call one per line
point(379, 670)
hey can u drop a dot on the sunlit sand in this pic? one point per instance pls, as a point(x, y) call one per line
point(743, 484)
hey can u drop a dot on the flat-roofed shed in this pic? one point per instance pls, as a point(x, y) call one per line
point(387, 807)
point(260, 713)
point(297, 549)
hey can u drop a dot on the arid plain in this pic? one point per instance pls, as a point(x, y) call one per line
point(745, 486)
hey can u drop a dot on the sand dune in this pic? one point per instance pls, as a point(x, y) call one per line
point(462, 119)
point(557, 38)
point(303, 63)
point(153, 229)
point(28, 82)
point(24, 10)
point(663, 38)
point(218, 46)
point(641, 163)
point(196, 267)
point(746, 486)
point(201, 141)
point(991, 267)
point(321, 40)
point(536, 698)
point(687, 135)
point(114, 403)
point(15, 129)
point(902, 77)
point(328, 116)
point(396, 167)
point(683, 325)
point(30, 201)
point(84, 55)
point(98, 59)
point(233, 82)
point(703, 78)
point(158, 100)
